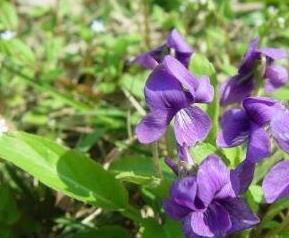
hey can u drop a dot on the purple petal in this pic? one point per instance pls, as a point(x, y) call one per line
point(250, 57)
point(280, 129)
point(205, 91)
point(184, 191)
point(214, 180)
point(259, 146)
point(241, 215)
point(146, 60)
point(235, 127)
point(261, 109)
point(244, 174)
point(164, 91)
point(235, 89)
point(181, 47)
point(153, 126)
point(276, 183)
point(152, 58)
point(191, 126)
point(276, 77)
point(181, 73)
point(195, 225)
point(174, 210)
point(274, 53)
point(214, 222)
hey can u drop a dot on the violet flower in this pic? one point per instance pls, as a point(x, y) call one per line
point(175, 42)
point(276, 183)
point(241, 85)
point(169, 92)
point(207, 203)
point(251, 124)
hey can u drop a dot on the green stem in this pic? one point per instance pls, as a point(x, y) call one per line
point(156, 160)
point(133, 214)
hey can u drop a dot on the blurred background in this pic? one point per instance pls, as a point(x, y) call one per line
point(66, 74)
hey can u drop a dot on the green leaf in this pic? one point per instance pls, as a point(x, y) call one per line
point(17, 49)
point(8, 16)
point(200, 65)
point(131, 177)
point(103, 232)
point(201, 151)
point(171, 229)
point(281, 94)
point(64, 170)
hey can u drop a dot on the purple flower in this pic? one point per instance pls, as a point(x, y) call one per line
point(241, 85)
point(169, 92)
point(252, 123)
point(175, 42)
point(207, 203)
point(276, 182)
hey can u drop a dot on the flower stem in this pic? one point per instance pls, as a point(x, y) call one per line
point(156, 160)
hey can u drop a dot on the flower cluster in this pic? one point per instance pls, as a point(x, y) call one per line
point(208, 198)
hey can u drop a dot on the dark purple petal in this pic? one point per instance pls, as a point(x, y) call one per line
point(276, 183)
point(146, 60)
point(235, 89)
point(184, 191)
point(274, 53)
point(261, 109)
point(174, 210)
point(250, 57)
point(279, 126)
point(205, 91)
point(214, 180)
point(172, 164)
point(191, 126)
point(241, 215)
point(152, 58)
point(242, 176)
point(214, 222)
point(259, 146)
point(164, 91)
point(182, 49)
point(181, 73)
point(235, 126)
point(276, 77)
point(153, 126)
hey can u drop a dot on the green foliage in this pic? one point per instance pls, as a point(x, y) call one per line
point(64, 170)
point(64, 80)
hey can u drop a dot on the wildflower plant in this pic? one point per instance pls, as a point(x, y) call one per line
point(223, 169)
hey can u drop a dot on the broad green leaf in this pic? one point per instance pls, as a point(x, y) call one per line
point(64, 170)
point(103, 232)
point(201, 66)
point(8, 16)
